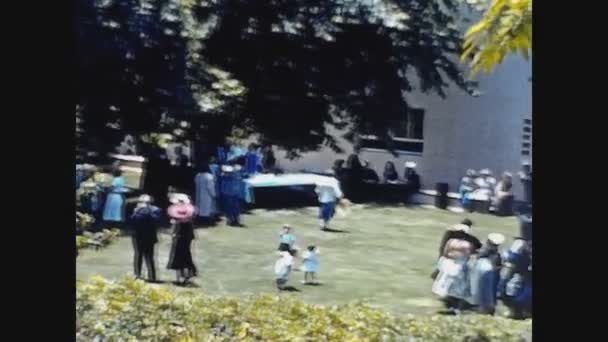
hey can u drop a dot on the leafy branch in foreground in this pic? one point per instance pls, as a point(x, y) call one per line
point(506, 27)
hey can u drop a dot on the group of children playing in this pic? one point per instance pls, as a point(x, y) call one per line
point(285, 263)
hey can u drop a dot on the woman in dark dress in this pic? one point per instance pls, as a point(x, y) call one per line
point(353, 178)
point(180, 257)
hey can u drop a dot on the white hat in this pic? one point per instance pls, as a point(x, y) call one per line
point(485, 172)
point(496, 238)
point(237, 167)
point(471, 172)
point(460, 227)
point(286, 225)
point(177, 198)
point(144, 199)
point(410, 164)
point(525, 162)
point(227, 168)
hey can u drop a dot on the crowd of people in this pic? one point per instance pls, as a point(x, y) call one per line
point(216, 182)
point(482, 186)
point(471, 275)
point(356, 176)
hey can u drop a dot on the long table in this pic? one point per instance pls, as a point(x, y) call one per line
point(291, 189)
point(297, 189)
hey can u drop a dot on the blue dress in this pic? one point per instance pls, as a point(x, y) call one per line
point(311, 262)
point(484, 280)
point(115, 202)
point(231, 190)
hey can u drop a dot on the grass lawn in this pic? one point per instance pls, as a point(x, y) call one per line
point(384, 259)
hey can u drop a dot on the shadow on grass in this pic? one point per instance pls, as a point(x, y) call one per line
point(290, 288)
point(330, 230)
point(313, 284)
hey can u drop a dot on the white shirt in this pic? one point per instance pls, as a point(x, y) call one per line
point(329, 191)
point(283, 266)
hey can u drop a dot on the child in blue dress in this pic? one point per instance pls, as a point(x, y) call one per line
point(310, 264)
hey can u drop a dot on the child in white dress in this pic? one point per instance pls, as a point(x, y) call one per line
point(310, 264)
point(282, 269)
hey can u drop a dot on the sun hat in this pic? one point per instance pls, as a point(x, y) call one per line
point(179, 198)
point(496, 238)
point(460, 228)
point(145, 198)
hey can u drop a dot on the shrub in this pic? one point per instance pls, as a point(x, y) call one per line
point(131, 310)
point(100, 239)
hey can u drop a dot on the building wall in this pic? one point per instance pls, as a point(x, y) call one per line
point(460, 131)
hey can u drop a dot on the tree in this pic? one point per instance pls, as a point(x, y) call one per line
point(506, 27)
point(284, 70)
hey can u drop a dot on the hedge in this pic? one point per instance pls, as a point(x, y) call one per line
point(131, 310)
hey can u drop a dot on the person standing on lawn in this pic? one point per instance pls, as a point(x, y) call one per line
point(515, 286)
point(231, 192)
point(310, 264)
point(144, 222)
point(114, 209)
point(282, 269)
point(329, 193)
point(180, 257)
point(287, 240)
point(452, 283)
point(485, 275)
point(252, 158)
point(205, 195)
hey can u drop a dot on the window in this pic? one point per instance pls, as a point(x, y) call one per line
point(526, 145)
point(407, 134)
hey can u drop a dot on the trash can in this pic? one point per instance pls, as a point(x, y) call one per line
point(525, 226)
point(441, 200)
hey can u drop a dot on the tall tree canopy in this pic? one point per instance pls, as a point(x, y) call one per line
point(506, 27)
point(286, 70)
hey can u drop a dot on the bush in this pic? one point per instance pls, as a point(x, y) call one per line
point(131, 310)
point(101, 239)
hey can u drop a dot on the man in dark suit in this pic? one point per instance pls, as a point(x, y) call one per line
point(144, 221)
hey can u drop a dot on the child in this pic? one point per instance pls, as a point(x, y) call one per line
point(311, 264)
point(287, 240)
point(282, 269)
point(329, 193)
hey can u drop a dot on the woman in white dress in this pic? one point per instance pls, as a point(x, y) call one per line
point(206, 195)
point(452, 283)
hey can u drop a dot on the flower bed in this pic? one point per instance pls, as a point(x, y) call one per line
point(131, 310)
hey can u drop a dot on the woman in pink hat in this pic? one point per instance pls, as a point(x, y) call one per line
point(180, 257)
